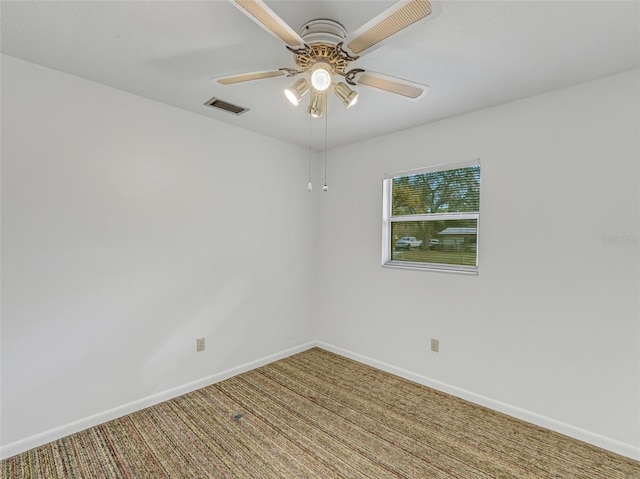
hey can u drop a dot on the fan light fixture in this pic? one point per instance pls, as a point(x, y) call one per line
point(346, 94)
point(322, 62)
point(296, 91)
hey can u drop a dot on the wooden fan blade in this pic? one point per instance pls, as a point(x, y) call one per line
point(230, 80)
point(391, 21)
point(257, 11)
point(408, 89)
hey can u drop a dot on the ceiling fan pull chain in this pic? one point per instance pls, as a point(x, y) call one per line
point(326, 116)
point(309, 185)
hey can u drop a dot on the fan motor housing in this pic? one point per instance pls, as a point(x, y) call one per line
point(322, 30)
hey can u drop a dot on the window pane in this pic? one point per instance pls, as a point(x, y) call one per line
point(446, 191)
point(439, 242)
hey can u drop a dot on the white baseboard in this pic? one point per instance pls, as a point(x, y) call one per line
point(45, 437)
point(604, 442)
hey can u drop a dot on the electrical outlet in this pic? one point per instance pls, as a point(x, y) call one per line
point(200, 344)
point(435, 345)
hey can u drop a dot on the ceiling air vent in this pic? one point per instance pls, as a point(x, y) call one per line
point(223, 105)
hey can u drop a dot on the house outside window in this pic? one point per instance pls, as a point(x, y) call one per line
point(430, 218)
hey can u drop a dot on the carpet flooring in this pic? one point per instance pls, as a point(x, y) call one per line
point(318, 415)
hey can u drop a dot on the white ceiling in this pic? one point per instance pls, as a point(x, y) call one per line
point(473, 54)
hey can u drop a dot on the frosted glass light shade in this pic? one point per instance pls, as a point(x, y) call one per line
point(321, 76)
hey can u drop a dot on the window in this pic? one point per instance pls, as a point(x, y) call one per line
point(430, 218)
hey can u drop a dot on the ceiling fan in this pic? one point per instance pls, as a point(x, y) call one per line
point(323, 50)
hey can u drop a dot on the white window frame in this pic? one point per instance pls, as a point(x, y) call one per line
point(388, 219)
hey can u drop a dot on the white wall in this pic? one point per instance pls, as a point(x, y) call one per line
point(129, 229)
point(549, 329)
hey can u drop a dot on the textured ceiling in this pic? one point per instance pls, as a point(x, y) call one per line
point(472, 54)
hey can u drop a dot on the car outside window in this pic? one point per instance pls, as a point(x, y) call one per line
point(431, 217)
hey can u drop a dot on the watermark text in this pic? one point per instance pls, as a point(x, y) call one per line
point(616, 239)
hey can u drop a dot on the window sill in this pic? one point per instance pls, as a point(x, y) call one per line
point(440, 268)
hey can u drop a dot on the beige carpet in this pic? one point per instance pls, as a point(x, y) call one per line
point(318, 415)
